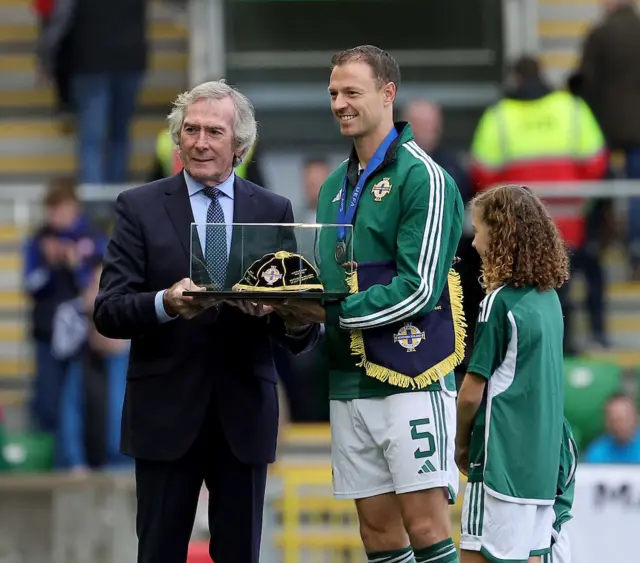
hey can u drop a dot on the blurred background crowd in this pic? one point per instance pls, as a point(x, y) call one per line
point(538, 91)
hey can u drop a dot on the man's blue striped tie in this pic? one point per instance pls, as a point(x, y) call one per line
point(216, 240)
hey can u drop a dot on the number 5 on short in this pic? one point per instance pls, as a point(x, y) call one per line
point(430, 446)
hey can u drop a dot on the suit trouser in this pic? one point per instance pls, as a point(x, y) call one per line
point(168, 492)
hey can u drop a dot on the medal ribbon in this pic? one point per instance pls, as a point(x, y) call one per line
point(346, 214)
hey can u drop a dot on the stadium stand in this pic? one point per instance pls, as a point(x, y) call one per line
point(32, 145)
point(562, 25)
point(34, 148)
point(588, 384)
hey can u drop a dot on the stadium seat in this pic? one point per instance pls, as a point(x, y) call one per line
point(588, 384)
point(28, 452)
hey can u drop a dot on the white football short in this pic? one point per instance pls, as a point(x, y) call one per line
point(504, 531)
point(400, 443)
point(560, 547)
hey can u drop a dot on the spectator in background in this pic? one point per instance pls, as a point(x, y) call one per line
point(305, 377)
point(166, 161)
point(530, 136)
point(106, 58)
point(621, 442)
point(315, 171)
point(58, 260)
point(427, 123)
point(59, 71)
point(609, 76)
point(93, 390)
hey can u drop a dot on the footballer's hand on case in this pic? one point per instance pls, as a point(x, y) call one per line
point(301, 312)
point(250, 307)
point(187, 307)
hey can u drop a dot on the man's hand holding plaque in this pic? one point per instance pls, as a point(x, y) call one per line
point(176, 304)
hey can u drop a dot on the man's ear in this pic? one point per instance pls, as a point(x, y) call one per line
point(237, 153)
point(389, 92)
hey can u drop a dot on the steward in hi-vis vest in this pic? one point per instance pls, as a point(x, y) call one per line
point(538, 135)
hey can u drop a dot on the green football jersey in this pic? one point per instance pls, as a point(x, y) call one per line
point(416, 222)
point(516, 437)
point(566, 478)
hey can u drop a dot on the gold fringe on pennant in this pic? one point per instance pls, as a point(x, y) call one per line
point(434, 373)
point(352, 281)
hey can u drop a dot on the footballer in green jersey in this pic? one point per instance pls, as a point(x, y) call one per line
point(510, 406)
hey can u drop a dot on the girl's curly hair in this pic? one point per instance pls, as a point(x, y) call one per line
point(524, 246)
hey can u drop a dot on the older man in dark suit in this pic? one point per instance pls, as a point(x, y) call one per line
point(201, 401)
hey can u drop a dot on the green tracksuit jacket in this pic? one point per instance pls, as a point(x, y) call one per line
point(417, 223)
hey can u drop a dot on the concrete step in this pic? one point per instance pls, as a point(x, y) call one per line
point(48, 129)
point(26, 63)
point(158, 79)
point(619, 323)
point(15, 367)
point(43, 98)
point(13, 331)
point(25, 148)
point(10, 262)
point(38, 167)
point(21, 12)
point(574, 29)
point(588, 3)
point(617, 341)
point(13, 302)
point(21, 139)
point(626, 359)
point(14, 397)
point(9, 234)
point(620, 296)
point(10, 271)
point(560, 59)
point(13, 351)
point(562, 12)
point(563, 26)
point(27, 32)
point(10, 279)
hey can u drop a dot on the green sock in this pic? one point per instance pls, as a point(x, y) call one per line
point(394, 556)
point(441, 552)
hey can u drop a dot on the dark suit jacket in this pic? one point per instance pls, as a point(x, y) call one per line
point(177, 368)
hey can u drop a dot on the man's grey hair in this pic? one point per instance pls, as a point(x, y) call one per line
point(244, 123)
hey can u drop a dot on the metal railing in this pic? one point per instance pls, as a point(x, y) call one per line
point(206, 40)
point(24, 200)
point(520, 28)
